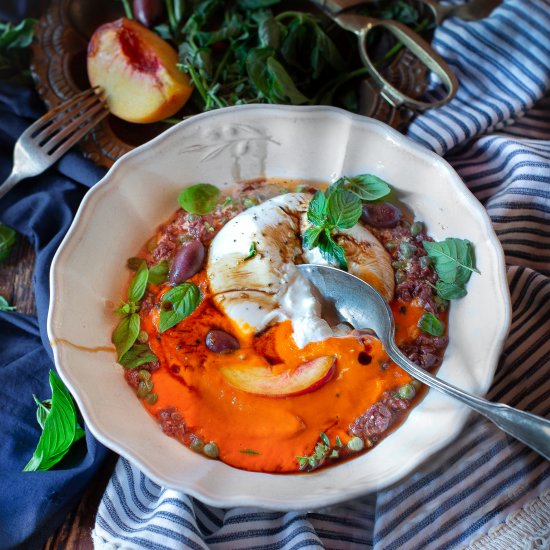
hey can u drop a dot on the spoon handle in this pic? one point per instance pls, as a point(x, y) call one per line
point(530, 429)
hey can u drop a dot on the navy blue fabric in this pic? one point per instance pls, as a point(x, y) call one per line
point(33, 504)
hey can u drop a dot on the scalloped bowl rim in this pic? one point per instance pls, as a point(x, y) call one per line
point(220, 497)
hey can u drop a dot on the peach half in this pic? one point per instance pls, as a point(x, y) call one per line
point(137, 72)
point(264, 380)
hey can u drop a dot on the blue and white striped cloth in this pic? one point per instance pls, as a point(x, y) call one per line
point(486, 490)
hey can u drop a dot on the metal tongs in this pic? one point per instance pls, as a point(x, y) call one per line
point(362, 25)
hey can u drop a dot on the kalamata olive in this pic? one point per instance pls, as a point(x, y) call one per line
point(381, 214)
point(187, 262)
point(220, 341)
point(148, 12)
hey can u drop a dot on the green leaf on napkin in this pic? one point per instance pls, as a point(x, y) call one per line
point(7, 240)
point(60, 428)
point(5, 306)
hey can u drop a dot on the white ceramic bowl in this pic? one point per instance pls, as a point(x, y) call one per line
point(140, 191)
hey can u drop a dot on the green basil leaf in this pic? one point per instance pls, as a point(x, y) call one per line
point(453, 259)
point(252, 251)
point(177, 304)
point(311, 237)
point(430, 324)
point(256, 67)
point(138, 284)
point(335, 186)
point(331, 251)
point(269, 30)
point(296, 48)
point(449, 291)
point(159, 272)
point(317, 209)
point(401, 11)
point(283, 88)
point(125, 309)
point(7, 240)
point(199, 199)
point(5, 306)
point(368, 187)
point(137, 355)
point(324, 52)
point(344, 209)
point(125, 334)
point(59, 430)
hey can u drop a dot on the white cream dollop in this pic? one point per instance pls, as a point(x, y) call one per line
point(258, 292)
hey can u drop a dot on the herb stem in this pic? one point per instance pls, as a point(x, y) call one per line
point(127, 9)
point(171, 17)
point(287, 14)
point(197, 82)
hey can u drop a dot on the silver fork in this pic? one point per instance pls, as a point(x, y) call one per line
point(52, 135)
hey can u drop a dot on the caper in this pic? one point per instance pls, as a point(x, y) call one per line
point(399, 264)
point(144, 387)
point(416, 228)
point(407, 391)
point(441, 303)
point(400, 276)
point(407, 250)
point(144, 375)
point(197, 445)
point(152, 398)
point(211, 450)
point(425, 261)
point(355, 444)
point(143, 336)
point(417, 384)
point(391, 245)
point(249, 202)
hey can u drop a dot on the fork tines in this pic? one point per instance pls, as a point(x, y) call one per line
point(59, 129)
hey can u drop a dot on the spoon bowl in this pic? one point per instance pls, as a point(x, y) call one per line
point(347, 298)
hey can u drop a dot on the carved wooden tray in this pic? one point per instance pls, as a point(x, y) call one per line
point(59, 72)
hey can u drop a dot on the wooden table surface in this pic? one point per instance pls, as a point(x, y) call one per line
point(16, 286)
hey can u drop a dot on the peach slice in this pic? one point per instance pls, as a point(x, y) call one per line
point(264, 381)
point(137, 71)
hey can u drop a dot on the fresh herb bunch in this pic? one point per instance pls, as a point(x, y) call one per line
point(340, 207)
point(14, 54)
point(243, 52)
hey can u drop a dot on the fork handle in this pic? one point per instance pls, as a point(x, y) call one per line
point(529, 428)
point(12, 180)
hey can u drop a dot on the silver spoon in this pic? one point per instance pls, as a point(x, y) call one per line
point(348, 298)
